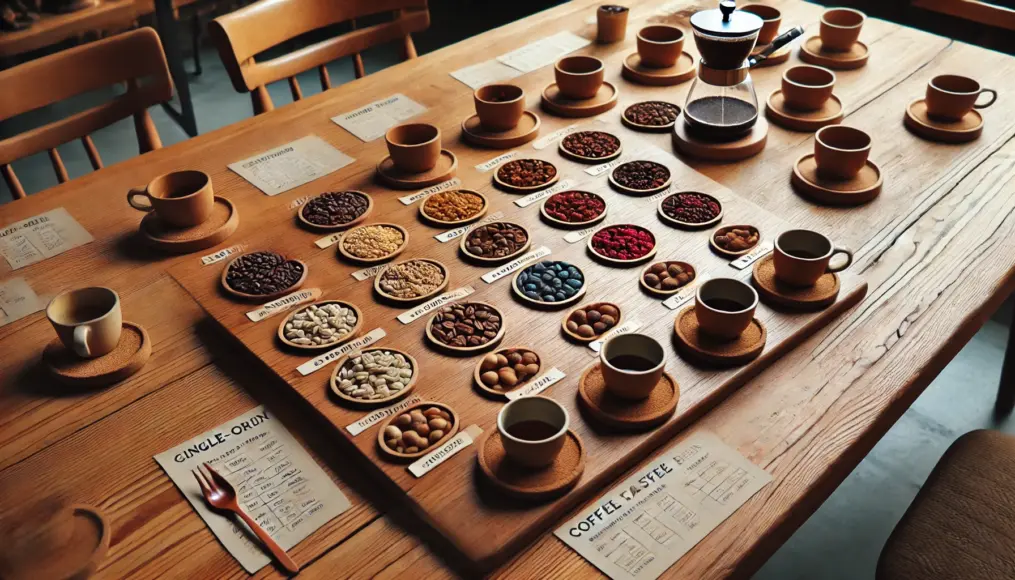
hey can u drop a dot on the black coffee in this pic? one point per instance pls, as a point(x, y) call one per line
point(720, 117)
point(88, 312)
point(532, 430)
point(804, 254)
point(631, 362)
point(724, 304)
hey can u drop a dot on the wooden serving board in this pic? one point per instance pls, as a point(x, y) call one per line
point(453, 498)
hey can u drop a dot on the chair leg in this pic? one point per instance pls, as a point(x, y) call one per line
point(1006, 390)
point(195, 39)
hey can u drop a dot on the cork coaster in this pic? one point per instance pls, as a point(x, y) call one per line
point(701, 348)
point(130, 354)
point(224, 220)
point(635, 71)
point(526, 482)
point(812, 51)
point(778, 57)
point(526, 130)
point(920, 123)
point(747, 146)
point(87, 541)
point(447, 166)
point(776, 110)
point(864, 187)
point(618, 413)
point(556, 103)
point(775, 293)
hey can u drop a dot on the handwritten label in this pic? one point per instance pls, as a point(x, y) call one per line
point(534, 197)
point(428, 462)
point(336, 353)
point(221, 254)
point(446, 298)
point(40, 237)
point(328, 240)
point(449, 235)
point(284, 303)
point(537, 385)
point(544, 142)
point(488, 165)
point(661, 194)
point(442, 186)
point(597, 170)
point(625, 328)
point(752, 256)
point(300, 201)
point(579, 235)
point(685, 293)
point(377, 416)
point(368, 272)
point(494, 275)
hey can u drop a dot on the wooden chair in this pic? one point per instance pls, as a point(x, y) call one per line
point(241, 35)
point(973, 10)
point(127, 57)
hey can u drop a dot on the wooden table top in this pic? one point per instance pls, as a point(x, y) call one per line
point(53, 28)
point(937, 249)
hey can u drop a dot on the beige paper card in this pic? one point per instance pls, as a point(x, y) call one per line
point(372, 121)
point(17, 300)
point(544, 51)
point(43, 236)
point(485, 73)
point(291, 165)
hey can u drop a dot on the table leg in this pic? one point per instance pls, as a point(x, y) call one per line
point(1006, 389)
point(169, 31)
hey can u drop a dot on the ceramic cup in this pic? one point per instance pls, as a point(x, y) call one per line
point(724, 307)
point(840, 152)
point(499, 107)
point(87, 320)
point(182, 199)
point(632, 365)
point(611, 21)
point(803, 256)
point(415, 147)
point(806, 87)
point(579, 77)
point(840, 28)
point(950, 97)
point(659, 45)
point(772, 18)
point(533, 430)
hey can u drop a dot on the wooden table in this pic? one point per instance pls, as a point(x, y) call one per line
point(937, 249)
point(53, 28)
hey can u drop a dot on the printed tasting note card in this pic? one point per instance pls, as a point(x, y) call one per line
point(278, 483)
point(291, 165)
point(40, 237)
point(373, 121)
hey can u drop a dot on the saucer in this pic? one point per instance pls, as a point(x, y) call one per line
point(812, 52)
point(795, 120)
point(129, 356)
point(747, 146)
point(617, 413)
point(224, 220)
point(864, 187)
point(964, 130)
point(778, 57)
point(445, 169)
point(537, 483)
point(556, 103)
point(703, 349)
point(635, 71)
point(526, 130)
point(771, 291)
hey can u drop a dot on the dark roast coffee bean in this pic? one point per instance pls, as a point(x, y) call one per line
point(550, 281)
point(652, 113)
point(526, 172)
point(496, 240)
point(261, 273)
point(591, 144)
point(466, 324)
point(641, 175)
point(335, 208)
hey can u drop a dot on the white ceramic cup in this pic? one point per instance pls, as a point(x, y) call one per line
point(87, 320)
point(533, 452)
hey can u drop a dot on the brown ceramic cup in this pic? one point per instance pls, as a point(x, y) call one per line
point(611, 21)
point(632, 365)
point(803, 256)
point(724, 307)
point(950, 97)
point(499, 107)
point(533, 447)
point(181, 199)
point(840, 152)
point(772, 18)
point(87, 320)
point(660, 45)
point(840, 28)
point(415, 147)
point(579, 77)
point(806, 87)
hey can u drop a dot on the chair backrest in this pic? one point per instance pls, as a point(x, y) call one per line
point(267, 23)
point(124, 58)
point(973, 10)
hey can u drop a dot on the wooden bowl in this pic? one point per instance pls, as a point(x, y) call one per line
point(373, 402)
point(262, 297)
point(467, 350)
point(451, 224)
point(573, 225)
point(614, 261)
point(592, 160)
point(628, 190)
point(649, 128)
point(352, 333)
point(579, 338)
point(504, 185)
point(385, 450)
point(724, 229)
point(396, 299)
point(352, 258)
point(480, 259)
point(505, 351)
point(689, 225)
point(323, 228)
point(657, 291)
point(548, 305)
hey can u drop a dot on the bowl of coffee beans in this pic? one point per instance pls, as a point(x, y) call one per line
point(336, 210)
point(524, 175)
point(591, 321)
point(507, 369)
point(321, 325)
point(651, 116)
point(550, 284)
point(590, 146)
point(417, 430)
point(374, 376)
point(373, 243)
point(690, 210)
point(495, 242)
point(262, 276)
point(453, 208)
point(640, 177)
point(622, 244)
point(411, 281)
point(733, 241)
point(466, 327)
point(573, 209)
point(666, 278)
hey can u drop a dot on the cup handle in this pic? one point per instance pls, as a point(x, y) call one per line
point(138, 192)
point(81, 341)
point(993, 97)
point(849, 259)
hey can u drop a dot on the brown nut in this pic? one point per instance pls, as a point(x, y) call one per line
point(489, 363)
point(489, 378)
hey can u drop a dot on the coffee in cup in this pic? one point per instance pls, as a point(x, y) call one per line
point(840, 29)
point(181, 199)
point(415, 147)
point(579, 77)
point(724, 307)
point(632, 365)
point(499, 107)
point(840, 152)
point(87, 320)
point(533, 430)
point(806, 87)
point(660, 45)
point(950, 97)
point(801, 257)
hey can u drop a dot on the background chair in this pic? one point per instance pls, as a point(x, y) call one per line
point(243, 34)
point(125, 58)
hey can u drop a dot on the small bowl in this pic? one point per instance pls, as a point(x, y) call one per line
point(327, 228)
point(467, 350)
point(723, 252)
point(549, 305)
point(524, 189)
point(500, 106)
point(689, 225)
point(660, 45)
point(624, 189)
point(374, 402)
point(565, 152)
point(483, 260)
point(505, 351)
point(614, 261)
point(432, 293)
point(356, 259)
point(653, 128)
point(665, 293)
point(352, 333)
point(573, 225)
point(414, 147)
point(262, 297)
point(579, 338)
point(444, 223)
point(579, 77)
point(452, 431)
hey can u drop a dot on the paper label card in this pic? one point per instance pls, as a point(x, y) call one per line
point(627, 327)
point(221, 254)
point(428, 462)
point(284, 303)
point(17, 300)
point(443, 186)
point(318, 363)
point(43, 236)
point(544, 51)
point(686, 293)
point(428, 307)
point(537, 385)
point(516, 264)
point(579, 235)
point(544, 142)
point(370, 272)
point(459, 231)
point(328, 240)
point(488, 165)
point(753, 256)
point(485, 73)
point(373, 120)
point(597, 170)
point(532, 198)
point(291, 165)
point(378, 415)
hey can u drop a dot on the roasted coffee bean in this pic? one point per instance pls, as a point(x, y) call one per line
point(668, 276)
point(652, 113)
point(641, 175)
point(508, 368)
point(526, 172)
point(335, 208)
point(737, 238)
point(623, 242)
point(574, 206)
point(466, 324)
point(550, 281)
point(496, 240)
point(261, 273)
point(593, 320)
point(591, 144)
point(691, 207)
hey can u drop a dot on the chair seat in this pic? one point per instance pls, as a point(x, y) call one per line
point(962, 523)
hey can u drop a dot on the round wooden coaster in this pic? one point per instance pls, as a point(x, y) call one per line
point(778, 57)
point(317, 227)
point(962, 131)
point(224, 220)
point(777, 112)
point(635, 71)
point(445, 169)
point(349, 335)
point(701, 348)
point(130, 354)
point(861, 189)
point(747, 146)
point(812, 52)
point(87, 543)
point(391, 453)
point(775, 293)
point(526, 130)
point(525, 482)
point(618, 413)
point(558, 104)
point(353, 401)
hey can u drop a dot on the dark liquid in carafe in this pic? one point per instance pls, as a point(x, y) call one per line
point(724, 304)
point(532, 430)
point(720, 118)
point(631, 362)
